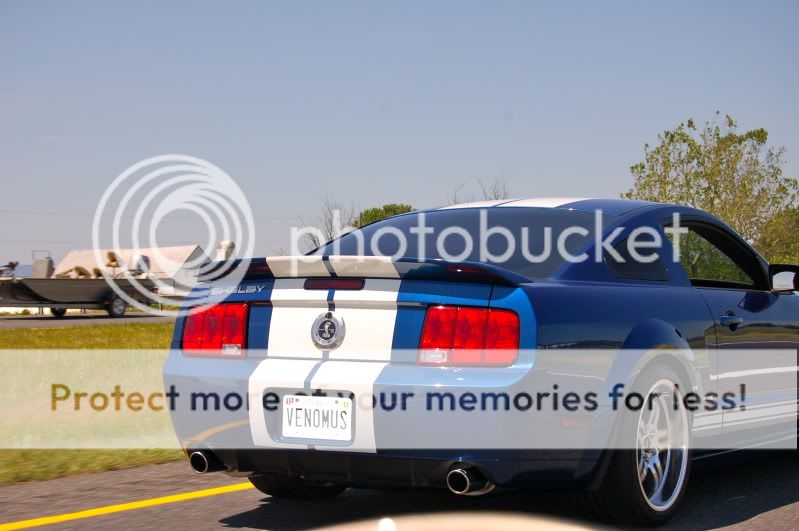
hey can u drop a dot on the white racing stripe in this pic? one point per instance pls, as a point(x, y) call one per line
point(755, 372)
point(477, 204)
point(293, 361)
point(765, 412)
point(302, 267)
point(369, 316)
point(356, 266)
point(294, 309)
point(761, 413)
point(538, 202)
point(544, 202)
point(297, 266)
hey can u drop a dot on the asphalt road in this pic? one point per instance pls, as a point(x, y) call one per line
point(759, 491)
point(48, 321)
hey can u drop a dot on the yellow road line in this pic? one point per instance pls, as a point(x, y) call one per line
point(108, 509)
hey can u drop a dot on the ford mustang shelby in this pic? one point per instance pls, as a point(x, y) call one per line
point(412, 307)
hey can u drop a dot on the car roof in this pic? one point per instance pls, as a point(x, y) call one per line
point(613, 207)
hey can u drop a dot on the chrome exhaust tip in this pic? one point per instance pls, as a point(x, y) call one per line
point(468, 482)
point(203, 461)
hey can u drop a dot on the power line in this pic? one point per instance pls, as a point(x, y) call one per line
point(81, 214)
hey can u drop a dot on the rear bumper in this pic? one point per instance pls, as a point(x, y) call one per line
point(232, 435)
point(535, 470)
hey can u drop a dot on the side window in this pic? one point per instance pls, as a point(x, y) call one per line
point(713, 259)
point(631, 269)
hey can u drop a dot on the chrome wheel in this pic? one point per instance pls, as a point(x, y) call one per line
point(662, 445)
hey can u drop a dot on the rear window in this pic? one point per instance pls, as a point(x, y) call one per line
point(532, 231)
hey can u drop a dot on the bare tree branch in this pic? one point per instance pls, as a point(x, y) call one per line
point(333, 221)
point(495, 190)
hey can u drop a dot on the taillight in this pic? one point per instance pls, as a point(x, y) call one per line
point(462, 335)
point(219, 330)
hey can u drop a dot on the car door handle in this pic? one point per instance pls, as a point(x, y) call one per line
point(731, 320)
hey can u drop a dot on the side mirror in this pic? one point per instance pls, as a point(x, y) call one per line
point(784, 277)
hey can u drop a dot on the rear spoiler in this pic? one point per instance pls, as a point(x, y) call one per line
point(366, 267)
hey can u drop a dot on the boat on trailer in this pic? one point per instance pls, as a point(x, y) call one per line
point(59, 293)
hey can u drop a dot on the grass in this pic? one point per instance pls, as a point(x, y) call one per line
point(124, 336)
point(25, 465)
point(28, 465)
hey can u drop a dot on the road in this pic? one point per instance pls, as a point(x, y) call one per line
point(48, 321)
point(760, 491)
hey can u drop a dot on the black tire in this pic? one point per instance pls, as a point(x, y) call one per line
point(58, 312)
point(116, 306)
point(286, 487)
point(621, 496)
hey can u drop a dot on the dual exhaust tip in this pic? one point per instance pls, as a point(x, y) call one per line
point(203, 461)
point(468, 481)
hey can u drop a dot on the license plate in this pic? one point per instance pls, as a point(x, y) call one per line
point(317, 417)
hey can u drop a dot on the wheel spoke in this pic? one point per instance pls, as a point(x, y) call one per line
point(662, 441)
point(657, 473)
point(641, 468)
point(654, 414)
point(641, 435)
point(662, 475)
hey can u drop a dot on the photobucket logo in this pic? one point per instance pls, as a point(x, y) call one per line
point(484, 241)
point(144, 270)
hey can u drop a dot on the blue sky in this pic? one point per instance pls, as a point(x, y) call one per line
point(367, 102)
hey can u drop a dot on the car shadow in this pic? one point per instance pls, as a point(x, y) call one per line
point(722, 492)
point(733, 489)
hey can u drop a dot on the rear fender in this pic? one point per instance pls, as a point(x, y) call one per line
point(656, 341)
point(651, 342)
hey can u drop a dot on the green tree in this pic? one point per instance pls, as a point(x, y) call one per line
point(780, 239)
point(734, 176)
point(370, 215)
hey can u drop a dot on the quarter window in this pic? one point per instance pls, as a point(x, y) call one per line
point(713, 259)
point(631, 269)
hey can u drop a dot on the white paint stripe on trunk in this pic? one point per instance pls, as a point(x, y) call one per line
point(369, 316)
point(293, 312)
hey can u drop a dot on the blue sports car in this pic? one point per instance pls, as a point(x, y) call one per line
point(304, 373)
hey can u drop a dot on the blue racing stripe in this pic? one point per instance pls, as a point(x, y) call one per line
point(331, 305)
point(329, 266)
